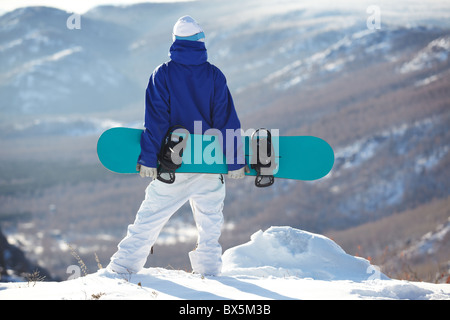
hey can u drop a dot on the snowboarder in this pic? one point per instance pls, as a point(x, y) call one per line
point(180, 92)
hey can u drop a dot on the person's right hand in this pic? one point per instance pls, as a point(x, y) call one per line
point(239, 173)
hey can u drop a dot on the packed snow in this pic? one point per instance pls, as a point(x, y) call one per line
point(281, 263)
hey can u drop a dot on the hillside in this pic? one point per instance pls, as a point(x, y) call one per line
point(413, 242)
point(14, 266)
point(379, 97)
point(306, 266)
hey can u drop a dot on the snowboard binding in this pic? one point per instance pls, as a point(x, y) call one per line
point(170, 156)
point(264, 165)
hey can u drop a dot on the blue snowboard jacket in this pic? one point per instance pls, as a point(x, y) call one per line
point(184, 90)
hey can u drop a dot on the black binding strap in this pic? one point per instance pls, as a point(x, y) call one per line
point(264, 165)
point(169, 149)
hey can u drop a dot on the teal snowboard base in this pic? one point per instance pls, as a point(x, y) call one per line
point(297, 157)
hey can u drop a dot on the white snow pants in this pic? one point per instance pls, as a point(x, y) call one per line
point(206, 194)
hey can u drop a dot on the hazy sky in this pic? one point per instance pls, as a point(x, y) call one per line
point(398, 10)
point(78, 6)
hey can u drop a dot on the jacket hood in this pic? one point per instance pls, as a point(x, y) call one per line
point(188, 52)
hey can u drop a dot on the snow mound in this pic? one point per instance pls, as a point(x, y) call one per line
point(285, 251)
point(276, 264)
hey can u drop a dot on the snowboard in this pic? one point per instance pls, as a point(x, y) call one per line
point(296, 157)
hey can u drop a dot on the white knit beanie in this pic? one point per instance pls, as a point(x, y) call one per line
point(186, 28)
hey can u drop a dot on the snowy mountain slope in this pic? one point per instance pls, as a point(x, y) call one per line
point(281, 263)
point(163, 284)
point(102, 67)
point(48, 69)
point(14, 265)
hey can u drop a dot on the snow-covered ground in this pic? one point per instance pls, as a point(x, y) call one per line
point(281, 263)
